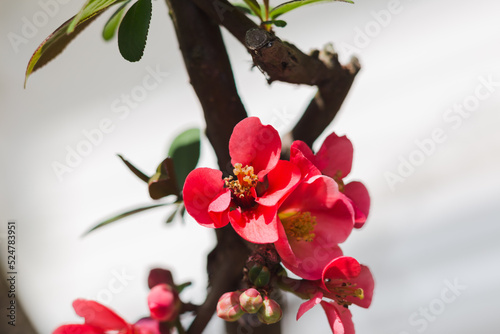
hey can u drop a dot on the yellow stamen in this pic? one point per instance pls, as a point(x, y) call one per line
point(299, 225)
point(246, 180)
point(344, 290)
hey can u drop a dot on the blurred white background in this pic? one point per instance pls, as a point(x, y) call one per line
point(434, 225)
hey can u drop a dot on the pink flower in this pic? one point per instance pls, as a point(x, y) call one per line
point(334, 159)
point(314, 218)
point(248, 200)
point(101, 320)
point(344, 282)
point(164, 302)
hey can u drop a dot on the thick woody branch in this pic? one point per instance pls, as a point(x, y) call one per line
point(283, 61)
point(210, 73)
point(211, 76)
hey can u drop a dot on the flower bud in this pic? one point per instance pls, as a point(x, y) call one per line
point(228, 307)
point(164, 302)
point(259, 275)
point(270, 312)
point(251, 300)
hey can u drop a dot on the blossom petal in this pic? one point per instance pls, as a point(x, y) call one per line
point(358, 194)
point(333, 214)
point(335, 155)
point(205, 197)
point(340, 318)
point(364, 281)
point(77, 329)
point(281, 179)
point(255, 145)
point(259, 226)
point(147, 326)
point(98, 315)
point(306, 306)
point(308, 262)
point(343, 268)
point(302, 156)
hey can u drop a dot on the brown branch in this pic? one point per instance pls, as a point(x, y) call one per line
point(284, 62)
point(210, 73)
point(211, 76)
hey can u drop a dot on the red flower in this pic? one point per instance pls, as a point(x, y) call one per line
point(101, 320)
point(315, 218)
point(164, 303)
point(334, 159)
point(250, 198)
point(344, 282)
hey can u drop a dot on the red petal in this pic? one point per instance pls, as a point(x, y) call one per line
point(340, 318)
point(147, 326)
point(364, 281)
point(255, 145)
point(358, 194)
point(205, 197)
point(98, 315)
point(335, 155)
point(302, 156)
point(258, 225)
point(281, 179)
point(344, 268)
point(306, 306)
point(77, 329)
point(310, 262)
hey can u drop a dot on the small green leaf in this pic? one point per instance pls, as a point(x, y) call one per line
point(111, 26)
point(124, 215)
point(244, 8)
point(56, 42)
point(291, 5)
point(278, 23)
point(134, 170)
point(172, 215)
point(182, 286)
point(89, 9)
point(185, 152)
point(133, 31)
point(164, 182)
point(255, 7)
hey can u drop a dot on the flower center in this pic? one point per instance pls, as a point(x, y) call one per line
point(341, 290)
point(242, 186)
point(299, 225)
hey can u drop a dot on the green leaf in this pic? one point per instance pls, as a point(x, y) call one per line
point(133, 31)
point(278, 23)
point(291, 5)
point(164, 182)
point(172, 215)
point(111, 26)
point(255, 7)
point(124, 215)
point(134, 170)
point(185, 151)
point(56, 42)
point(244, 8)
point(89, 9)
